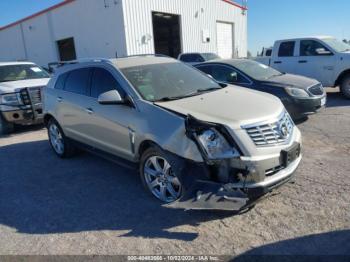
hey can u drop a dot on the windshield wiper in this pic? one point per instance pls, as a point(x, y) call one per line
point(204, 90)
point(198, 92)
point(168, 98)
point(281, 74)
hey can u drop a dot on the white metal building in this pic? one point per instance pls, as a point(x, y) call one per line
point(76, 29)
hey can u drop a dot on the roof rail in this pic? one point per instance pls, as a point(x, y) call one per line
point(140, 55)
point(54, 65)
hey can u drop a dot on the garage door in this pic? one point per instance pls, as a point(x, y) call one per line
point(224, 39)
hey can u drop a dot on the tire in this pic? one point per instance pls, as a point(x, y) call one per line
point(5, 127)
point(60, 144)
point(345, 86)
point(158, 176)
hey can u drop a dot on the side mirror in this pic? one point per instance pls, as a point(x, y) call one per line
point(111, 98)
point(323, 51)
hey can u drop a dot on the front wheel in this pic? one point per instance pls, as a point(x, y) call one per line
point(58, 141)
point(345, 86)
point(158, 176)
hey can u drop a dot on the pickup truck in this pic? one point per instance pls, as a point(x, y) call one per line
point(323, 58)
point(21, 85)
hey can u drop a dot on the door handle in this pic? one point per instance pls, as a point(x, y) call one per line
point(277, 62)
point(59, 99)
point(302, 61)
point(89, 111)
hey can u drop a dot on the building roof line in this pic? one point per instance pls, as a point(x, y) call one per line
point(235, 4)
point(65, 2)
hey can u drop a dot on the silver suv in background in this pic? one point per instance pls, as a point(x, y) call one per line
point(21, 84)
point(197, 144)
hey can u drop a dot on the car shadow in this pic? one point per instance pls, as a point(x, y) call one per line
point(19, 129)
point(331, 246)
point(42, 194)
point(336, 99)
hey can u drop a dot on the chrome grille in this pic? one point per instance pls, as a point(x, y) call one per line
point(272, 133)
point(35, 95)
point(316, 90)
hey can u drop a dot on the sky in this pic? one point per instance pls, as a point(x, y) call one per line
point(268, 20)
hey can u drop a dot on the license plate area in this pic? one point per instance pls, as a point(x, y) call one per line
point(290, 155)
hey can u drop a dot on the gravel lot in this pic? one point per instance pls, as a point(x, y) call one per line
point(87, 205)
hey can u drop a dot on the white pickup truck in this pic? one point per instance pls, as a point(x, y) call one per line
point(323, 58)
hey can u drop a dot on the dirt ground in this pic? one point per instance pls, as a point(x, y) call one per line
point(87, 205)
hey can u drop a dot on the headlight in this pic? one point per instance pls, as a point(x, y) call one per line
point(10, 99)
point(215, 145)
point(297, 92)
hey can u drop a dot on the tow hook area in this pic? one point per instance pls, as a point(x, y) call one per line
point(207, 195)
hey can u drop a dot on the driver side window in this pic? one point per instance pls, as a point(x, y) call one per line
point(227, 75)
point(313, 48)
point(103, 81)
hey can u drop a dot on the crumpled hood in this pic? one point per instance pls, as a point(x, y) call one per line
point(15, 86)
point(292, 80)
point(232, 106)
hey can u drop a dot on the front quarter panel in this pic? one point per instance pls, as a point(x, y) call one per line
point(49, 98)
point(166, 129)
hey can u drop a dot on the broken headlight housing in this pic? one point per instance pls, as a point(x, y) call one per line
point(215, 145)
point(211, 139)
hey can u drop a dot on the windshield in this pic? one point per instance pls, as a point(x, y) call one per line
point(21, 72)
point(337, 45)
point(168, 81)
point(256, 70)
point(210, 56)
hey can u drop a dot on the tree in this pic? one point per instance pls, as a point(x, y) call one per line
point(249, 54)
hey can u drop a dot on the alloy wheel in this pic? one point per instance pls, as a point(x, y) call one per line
point(161, 180)
point(56, 139)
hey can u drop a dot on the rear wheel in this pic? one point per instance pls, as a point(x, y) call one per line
point(61, 145)
point(158, 176)
point(345, 86)
point(5, 127)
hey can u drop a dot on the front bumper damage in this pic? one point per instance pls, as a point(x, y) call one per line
point(204, 192)
point(232, 184)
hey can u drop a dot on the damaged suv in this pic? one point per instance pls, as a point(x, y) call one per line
point(198, 144)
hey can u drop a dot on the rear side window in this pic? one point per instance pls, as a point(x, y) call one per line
point(192, 58)
point(103, 81)
point(61, 81)
point(268, 52)
point(78, 81)
point(227, 75)
point(286, 49)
